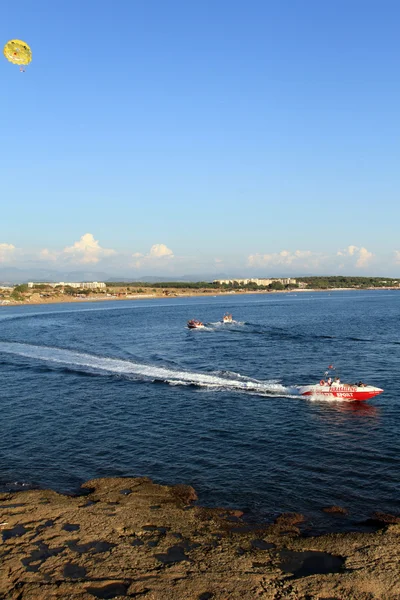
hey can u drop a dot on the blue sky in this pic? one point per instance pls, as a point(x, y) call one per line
point(176, 137)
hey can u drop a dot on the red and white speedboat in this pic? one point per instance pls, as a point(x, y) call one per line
point(341, 391)
point(195, 324)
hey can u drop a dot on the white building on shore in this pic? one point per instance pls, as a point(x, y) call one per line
point(83, 285)
point(258, 281)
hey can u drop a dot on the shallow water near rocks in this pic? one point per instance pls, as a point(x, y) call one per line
point(302, 564)
point(111, 590)
point(79, 400)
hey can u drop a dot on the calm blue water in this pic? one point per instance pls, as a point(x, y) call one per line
point(123, 388)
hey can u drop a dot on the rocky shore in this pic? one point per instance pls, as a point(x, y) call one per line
point(131, 538)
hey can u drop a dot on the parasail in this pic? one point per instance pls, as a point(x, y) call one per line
point(18, 53)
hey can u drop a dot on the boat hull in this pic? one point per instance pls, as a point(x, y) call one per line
point(195, 324)
point(341, 392)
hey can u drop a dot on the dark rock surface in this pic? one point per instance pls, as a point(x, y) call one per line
point(56, 547)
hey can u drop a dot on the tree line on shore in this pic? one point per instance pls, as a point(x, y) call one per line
point(314, 282)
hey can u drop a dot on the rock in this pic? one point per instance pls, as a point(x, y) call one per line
point(73, 571)
point(174, 554)
point(382, 519)
point(338, 510)
point(70, 527)
point(262, 545)
point(184, 493)
point(16, 531)
point(288, 519)
point(62, 549)
point(110, 590)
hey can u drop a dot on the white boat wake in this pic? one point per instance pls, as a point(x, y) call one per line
point(130, 369)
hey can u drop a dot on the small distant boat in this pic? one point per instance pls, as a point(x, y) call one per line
point(195, 324)
point(227, 318)
point(341, 391)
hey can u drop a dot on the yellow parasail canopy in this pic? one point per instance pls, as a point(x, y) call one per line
point(18, 52)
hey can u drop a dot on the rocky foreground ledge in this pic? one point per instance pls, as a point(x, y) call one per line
point(131, 538)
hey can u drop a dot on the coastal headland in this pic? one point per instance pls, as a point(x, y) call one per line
point(132, 538)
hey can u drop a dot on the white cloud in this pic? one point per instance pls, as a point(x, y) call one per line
point(364, 258)
point(363, 255)
point(47, 254)
point(397, 257)
point(160, 251)
point(285, 257)
point(87, 250)
point(6, 252)
point(159, 254)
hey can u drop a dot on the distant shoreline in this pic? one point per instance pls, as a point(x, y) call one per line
point(177, 293)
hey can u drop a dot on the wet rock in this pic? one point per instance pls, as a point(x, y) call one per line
point(162, 530)
point(96, 547)
point(184, 493)
point(242, 529)
point(39, 556)
point(262, 545)
point(302, 564)
point(49, 523)
point(382, 519)
point(17, 531)
point(88, 503)
point(173, 555)
point(137, 542)
point(288, 519)
point(126, 492)
point(73, 571)
point(188, 545)
point(70, 527)
point(236, 513)
point(335, 510)
point(232, 515)
point(110, 590)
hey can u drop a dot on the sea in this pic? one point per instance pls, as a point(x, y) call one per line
point(124, 388)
